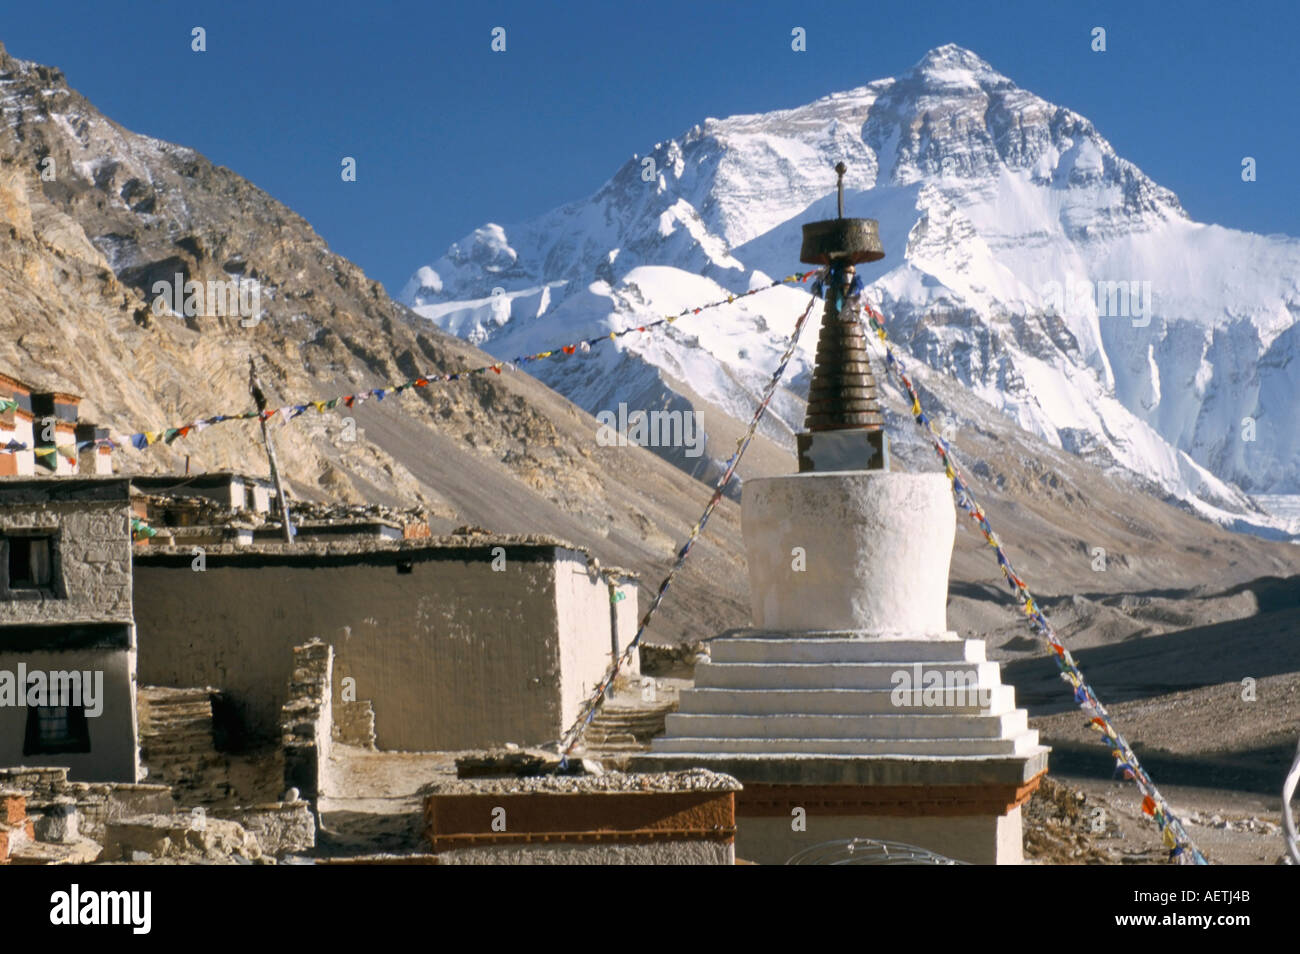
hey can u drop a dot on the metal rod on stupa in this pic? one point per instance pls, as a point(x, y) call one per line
point(844, 426)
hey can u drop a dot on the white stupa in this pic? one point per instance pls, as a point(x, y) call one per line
point(849, 709)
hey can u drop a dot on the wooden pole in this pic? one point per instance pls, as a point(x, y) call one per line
point(259, 396)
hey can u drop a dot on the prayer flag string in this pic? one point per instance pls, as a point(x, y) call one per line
point(1174, 836)
point(574, 734)
point(146, 438)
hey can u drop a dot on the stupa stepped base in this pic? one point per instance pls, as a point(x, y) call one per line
point(847, 694)
point(843, 675)
point(947, 747)
point(998, 699)
point(846, 734)
point(790, 646)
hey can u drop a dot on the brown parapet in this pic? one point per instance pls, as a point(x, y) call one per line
point(759, 800)
point(462, 820)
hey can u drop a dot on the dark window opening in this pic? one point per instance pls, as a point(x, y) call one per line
point(53, 730)
point(404, 568)
point(31, 562)
point(228, 732)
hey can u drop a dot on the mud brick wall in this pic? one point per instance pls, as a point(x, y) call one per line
point(450, 653)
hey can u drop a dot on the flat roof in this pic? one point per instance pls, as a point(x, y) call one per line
point(144, 482)
point(91, 487)
point(112, 487)
point(202, 481)
point(360, 549)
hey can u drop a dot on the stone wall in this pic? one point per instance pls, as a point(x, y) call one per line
point(354, 724)
point(307, 719)
point(51, 820)
point(450, 653)
point(91, 521)
point(279, 827)
point(177, 745)
point(96, 803)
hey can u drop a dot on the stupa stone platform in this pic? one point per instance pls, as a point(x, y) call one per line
point(849, 709)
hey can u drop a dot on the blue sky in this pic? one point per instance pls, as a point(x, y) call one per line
point(449, 135)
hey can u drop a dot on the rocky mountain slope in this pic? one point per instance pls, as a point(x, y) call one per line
point(1026, 261)
point(79, 254)
point(78, 257)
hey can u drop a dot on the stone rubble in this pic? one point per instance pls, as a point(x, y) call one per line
point(1250, 823)
point(694, 780)
point(177, 836)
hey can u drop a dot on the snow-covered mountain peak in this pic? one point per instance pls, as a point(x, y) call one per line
point(1024, 258)
point(953, 67)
